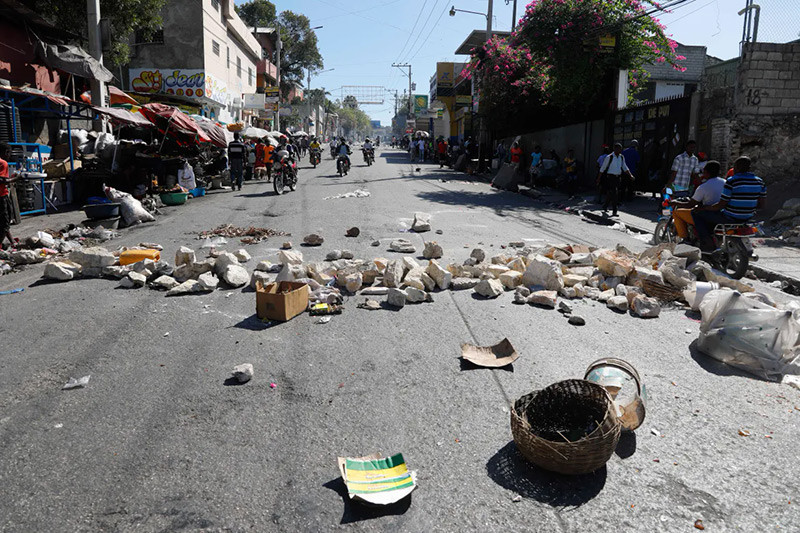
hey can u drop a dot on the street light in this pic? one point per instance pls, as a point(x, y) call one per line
point(453, 12)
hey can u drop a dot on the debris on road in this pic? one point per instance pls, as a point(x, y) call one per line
point(353, 232)
point(313, 240)
point(281, 301)
point(698, 524)
point(371, 305)
point(243, 373)
point(250, 235)
point(625, 388)
point(324, 320)
point(577, 320)
point(358, 193)
point(497, 356)
point(402, 246)
point(73, 383)
point(377, 480)
point(422, 222)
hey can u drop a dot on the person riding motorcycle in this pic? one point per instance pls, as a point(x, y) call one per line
point(344, 150)
point(314, 144)
point(707, 194)
point(367, 147)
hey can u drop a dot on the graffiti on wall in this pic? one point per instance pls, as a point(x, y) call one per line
point(216, 90)
point(180, 82)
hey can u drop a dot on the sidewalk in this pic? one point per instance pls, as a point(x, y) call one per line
point(776, 261)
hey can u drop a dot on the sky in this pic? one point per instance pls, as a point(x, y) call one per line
point(360, 39)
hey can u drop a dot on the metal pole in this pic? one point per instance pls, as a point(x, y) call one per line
point(514, 17)
point(96, 50)
point(277, 121)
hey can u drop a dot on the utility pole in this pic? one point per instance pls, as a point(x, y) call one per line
point(513, 16)
point(410, 100)
point(279, 45)
point(96, 51)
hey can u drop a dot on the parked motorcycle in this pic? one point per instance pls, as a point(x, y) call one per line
point(342, 165)
point(315, 157)
point(369, 156)
point(284, 174)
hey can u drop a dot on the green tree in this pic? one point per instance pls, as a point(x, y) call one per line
point(126, 16)
point(350, 101)
point(257, 13)
point(299, 52)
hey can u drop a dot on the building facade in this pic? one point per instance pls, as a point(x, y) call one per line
point(205, 56)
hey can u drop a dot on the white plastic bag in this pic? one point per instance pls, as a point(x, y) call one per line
point(749, 334)
point(186, 177)
point(132, 210)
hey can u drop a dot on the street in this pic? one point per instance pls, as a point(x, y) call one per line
point(157, 441)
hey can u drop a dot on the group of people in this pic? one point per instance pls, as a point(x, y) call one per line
point(254, 158)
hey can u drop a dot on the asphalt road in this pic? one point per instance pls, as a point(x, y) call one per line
point(158, 442)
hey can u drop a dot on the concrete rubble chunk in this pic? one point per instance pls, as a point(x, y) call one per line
point(185, 256)
point(620, 303)
point(428, 282)
point(517, 264)
point(61, 270)
point(645, 307)
point(286, 245)
point(459, 271)
point(347, 254)
point(544, 299)
point(133, 280)
point(375, 291)
point(187, 287)
point(290, 257)
point(393, 275)
point(565, 307)
point(414, 278)
point(92, 260)
point(516, 244)
point(621, 290)
point(580, 290)
point(242, 255)
point(675, 275)
point(559, 254)
point(243, 373)
point(581, 259)
point(396, 298)
point(353, 282)
point(114, 271)
point(260, 277)
point(422, 222)
point(333, 255)
point(489, 288)
point(614, 264)
point(511, 279)
point(592, 293)
point(641, 274)
point(633, 292)
point(164, 283)
point(611, 283)
point(440, 275)
point(543, 272)
point(353, 232)
point(409, 263)
point(521, 295)
point(224, 260)
point(25, 257)
point(313, 240)
point(266, 266)
point(461, 284)
point(415, 295)
point(577, 320)
point(501, 259)
point(209, 281)
point(496, 270)
point(570, 280)
point(691, 253)
point(478, 255)
point(654, 252)
point(432, 250)
point(236, 276)
point(605, 296)
point(568, 292)
point(402, 246)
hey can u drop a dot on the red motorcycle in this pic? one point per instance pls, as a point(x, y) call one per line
point(284, 174)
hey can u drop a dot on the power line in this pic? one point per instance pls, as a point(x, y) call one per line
point(429, 34)
point(422, 29)
point(413, 28)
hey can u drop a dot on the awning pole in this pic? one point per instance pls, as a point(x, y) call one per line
point(14, 118)
point(69, 140)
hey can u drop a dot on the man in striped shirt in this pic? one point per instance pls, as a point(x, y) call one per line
point(742, 195)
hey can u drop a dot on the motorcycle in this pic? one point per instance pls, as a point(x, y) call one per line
point(369, 156)
point(314, 158)
point(284, 174)
point(342, 165)
point(733, 248)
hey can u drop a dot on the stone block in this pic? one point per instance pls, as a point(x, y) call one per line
point(544, 299)
point(489, 288)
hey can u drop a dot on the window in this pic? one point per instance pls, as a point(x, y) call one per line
point(215, 4)
point(239, 66)
point(250, 75)
point(228, 64)
point(215, 47)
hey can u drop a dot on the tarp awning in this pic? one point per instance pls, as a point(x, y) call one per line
point(124, 116)
point(168, 118)
point(73, 59)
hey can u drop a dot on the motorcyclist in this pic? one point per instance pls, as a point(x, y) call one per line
point(314, 144)
point(707, 194)
point(333, 147)
point(343, 150)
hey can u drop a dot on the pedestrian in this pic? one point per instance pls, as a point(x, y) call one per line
point(516, 156)
point(421, 149)
point(685, 168)
point(269, 158)
point(441, 151)
point(260, 165)
point(571, 169)
point(536, 163)
point(6, 209)
point(632, 159)
point(601, 185)
point(237, 155)
point(614, 167)
point(500, 153)
point(742, 194)
point(251, 161)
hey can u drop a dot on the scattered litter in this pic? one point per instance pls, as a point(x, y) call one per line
point(210, 243)
point(324, 320)
point(166, 334)
point(744, 433)
point(377, 480)
point(250, 235)
point(243, 373)
point(655, 432)
point(58, 426)
point(358, 193)
point(371, 305)
point(497, 356)
point(353, 232)
point(273, 385)
point(698, 524)
point(76, 383)
point(516, 499)
point(624, 385)
point(12, 291)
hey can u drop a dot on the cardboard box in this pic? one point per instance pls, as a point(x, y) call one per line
point(281, 301)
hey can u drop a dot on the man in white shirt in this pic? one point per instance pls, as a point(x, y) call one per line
point(614, 166)
point(706, 194)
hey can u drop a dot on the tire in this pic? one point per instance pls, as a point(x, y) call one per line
point(293, 182)
point(277, 183)
point(664, 232)
point(736, 259)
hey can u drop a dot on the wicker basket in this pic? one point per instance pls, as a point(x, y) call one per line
point(660, 291)
point(581, 456)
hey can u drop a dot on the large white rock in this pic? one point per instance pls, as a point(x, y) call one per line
point(544, 272)
point(375, 291)
point(511, 279)
point(185, 256)
point(268, 266)
point(403, 246)
point(396, 298)
point(208, 281)
point(620, 303)
point(489, 288)
point(164, 283)
point(243, 373)
point(409, 263)
point(290, 257)
point(645, 307)
point(133, 280)
point(393, 275)
point(92, 260)
point(544, 298)
point(422, 222)
point(428, 282)
point(612, 263)
point(25, 257)
point(414, 278)
point(432, 250)
point(187, 287)
point(517, 264)
point(415, 295)
point(242, 255)
point(353, 282)
point(236, 276)
point(61, 270)
point(115, 271)
point(224, 260)
point(440, 275)
point(496, 270)
point(691, 253)
point(461, 284)
point(641, 274)
point(675, 275)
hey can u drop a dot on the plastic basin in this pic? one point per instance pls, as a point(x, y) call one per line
point(101, 211)
point(174, 198)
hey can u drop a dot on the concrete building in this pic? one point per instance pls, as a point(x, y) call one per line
point(205, 55)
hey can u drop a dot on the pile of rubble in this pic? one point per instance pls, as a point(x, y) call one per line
point(786, 222)
point(251, 235)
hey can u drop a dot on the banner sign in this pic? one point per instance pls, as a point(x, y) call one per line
point(180, 82)
point(420, 102)
point(254, 101)
point(445, 75)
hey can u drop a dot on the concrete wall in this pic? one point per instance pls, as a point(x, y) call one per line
point(769, 79)
point(183, 39)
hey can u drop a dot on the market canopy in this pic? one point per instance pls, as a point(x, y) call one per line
point(119, 97)
point(123, 116)
point(73, 59)
point(256, 133)
point(219, 136)
point(168, 118)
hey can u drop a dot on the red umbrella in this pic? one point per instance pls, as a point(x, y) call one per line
point(168, 118)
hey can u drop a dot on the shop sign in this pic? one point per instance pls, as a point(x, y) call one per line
point(180, 82)
point(254, 101)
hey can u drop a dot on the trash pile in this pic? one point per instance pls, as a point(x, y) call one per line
point(251, 235)
point(786, 222)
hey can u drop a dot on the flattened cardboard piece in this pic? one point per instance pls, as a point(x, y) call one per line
point(377, 480)
point(497, 356)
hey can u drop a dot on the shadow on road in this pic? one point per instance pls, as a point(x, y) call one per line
point(626, 446)
point(253, 323)
point(355, 512)
point(469, 365)
point(508, 469)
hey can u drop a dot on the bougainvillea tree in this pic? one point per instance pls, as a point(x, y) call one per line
point(564, 52)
